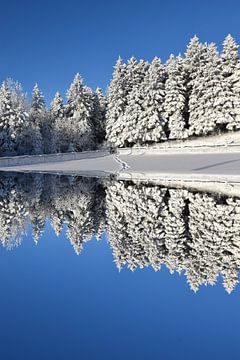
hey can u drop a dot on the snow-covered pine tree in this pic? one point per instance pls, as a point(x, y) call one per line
point(152, 124)
point(36, 119)
point(7, 115)
point(37, 106)
point(208, 98)
point(135, 74)
point(79, 110)
point(229, 56)
point(57, 109)
point(42, 117)
point(19, 133)
point(230, 79)
point(175, 103)
point(18, 97)
point(99, 116)
point(236, 97)
point(205, 88)
point(193, 59)
point(116, 103)
point(59, 133)
point(13, 117)
point(20, 130)
point(90, 99)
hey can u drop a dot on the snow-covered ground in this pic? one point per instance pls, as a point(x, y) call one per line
point(228, 141)
point(179, 168)
point(98, 165)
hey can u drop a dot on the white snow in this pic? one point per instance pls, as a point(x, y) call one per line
point(228, 141)
point(140, 165)
point(98, 165)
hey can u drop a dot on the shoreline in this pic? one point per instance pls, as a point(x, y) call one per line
point(209, 171)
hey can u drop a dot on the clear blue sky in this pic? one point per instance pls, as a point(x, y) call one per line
point(49, 41)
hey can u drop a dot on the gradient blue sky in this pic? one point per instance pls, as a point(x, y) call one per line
point(49, 41)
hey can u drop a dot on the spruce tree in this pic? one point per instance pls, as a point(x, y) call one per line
point(206, 90)
point(12, 121)
point(116, 103)
point(236, 97)
point(38, 105)
point(230, 80)
point(99, 116)
point(6, 117)
point(193, 61)
point(152, 124)
point(229, 56)
point(175, 102)
point(79, 109)
point(59, 130)
point(135, 75)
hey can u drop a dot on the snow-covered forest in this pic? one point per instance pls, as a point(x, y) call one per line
point(189, 232)
point(192, 95)
point(146, 103)
point(34, 129)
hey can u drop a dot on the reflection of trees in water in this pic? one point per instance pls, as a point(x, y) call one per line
point(32, 199)
point(196, 233)
point(191, 232)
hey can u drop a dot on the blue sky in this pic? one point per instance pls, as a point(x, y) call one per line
point(49, 41)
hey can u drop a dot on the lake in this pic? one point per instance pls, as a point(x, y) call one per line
point(104, 269)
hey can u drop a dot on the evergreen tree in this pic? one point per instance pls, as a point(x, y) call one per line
point(99, 116)
point(194, 63)
point(116, 103)
point(36, 121)
point(79, 109)
point(175, 103)
point(41, 116)
point(230, 79)
point(210, 102)
point(7, 116)
point(57, 109)
point(18, 97)
point(152, 124)
point(58, 120)
point(13, 119)
point(21, 122)
point(207, 90)
point(229, 56)
point(236, 97)
point(38, 105)
point(135, 74)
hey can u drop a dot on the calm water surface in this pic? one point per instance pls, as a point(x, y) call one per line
point(94, 269)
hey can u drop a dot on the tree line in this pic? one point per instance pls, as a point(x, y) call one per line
point(192, 95)
point(190, 232)
point(146, 103)
point(34, 129)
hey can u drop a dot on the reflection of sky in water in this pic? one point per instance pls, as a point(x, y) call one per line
point(56, 305)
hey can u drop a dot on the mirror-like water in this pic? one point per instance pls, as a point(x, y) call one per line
point(80, 307)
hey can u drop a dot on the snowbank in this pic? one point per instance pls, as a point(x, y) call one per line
point(228, 142)
point(50, 158)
